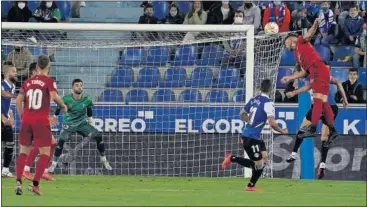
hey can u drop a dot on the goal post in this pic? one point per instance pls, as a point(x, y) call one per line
point(127, 69)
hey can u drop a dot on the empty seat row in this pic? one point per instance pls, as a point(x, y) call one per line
point(175, 77)
point(341, 52)
point(167, 95)
point(184, 55)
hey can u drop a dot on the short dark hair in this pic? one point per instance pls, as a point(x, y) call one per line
point(265, 86)
point(77, 80)
point(148, 6)
point(32, 67)
point(43, 61)
point(9, 63)
point(291, 34)
point(353, 70)
point(239, 11)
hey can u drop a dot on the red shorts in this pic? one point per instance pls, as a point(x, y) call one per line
point(320, 78)
point(40, 134)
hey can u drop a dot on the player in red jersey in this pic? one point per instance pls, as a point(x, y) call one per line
point(311, 63)
point(34, 152)
point(33, 105)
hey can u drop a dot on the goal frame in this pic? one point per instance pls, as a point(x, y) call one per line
point(250, 36)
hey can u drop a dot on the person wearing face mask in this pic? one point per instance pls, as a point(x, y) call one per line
point(235, 49)
point(252, 14)
point(21, 58)
point(278, 13)
point(47, 12)
point(19, 12)
point(359, 58)
point(223, 14)
point(327, 25)
point(300, 21)
point(353, 25)
point(174, 16)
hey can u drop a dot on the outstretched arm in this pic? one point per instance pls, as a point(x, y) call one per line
point(305, 88)
point(296, 75)
point(311, 32)
point(341, 90)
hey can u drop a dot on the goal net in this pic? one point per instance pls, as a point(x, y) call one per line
point(166, 98)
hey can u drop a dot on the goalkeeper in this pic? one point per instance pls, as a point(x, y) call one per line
point(78, 119)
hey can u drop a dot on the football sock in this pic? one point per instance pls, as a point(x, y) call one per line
point(298, 142)
point(52, 151)
point(8, 154)
point(324, 150)
point(40, 168)
point(20, 166)
point(100, 147)
point(243, 161)
point(328, 114)
point(32, 155)
point(316, 112)
point(58, 150)
point(256, 174)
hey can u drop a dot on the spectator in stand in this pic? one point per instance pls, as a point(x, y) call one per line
point(300, 21)
point(223, 14)
point(352, 88)
point(47, 12)
point(252, 14)
point(148, 17)
point(235, 49)
point(21, 58)
point(174, 16)
point(313, 9)
point(19, 12)
point(327, 26)
point(291, 86)
point(278, 13)
point(196, 15)
point(359, 58)
point(353, 26)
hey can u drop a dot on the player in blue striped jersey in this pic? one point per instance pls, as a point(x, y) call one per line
point(325, 142)
point(259, 110)
point(7, 118)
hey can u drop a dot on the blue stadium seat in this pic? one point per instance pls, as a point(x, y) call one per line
point(340, 74)
point(6, 49)
point(111, 95)
point(201, 77)
point(323, 51)
point(161, 9)
point(229, 78)
point(239, 96)
point(121, 77)
point(133, 56)
point(362, 78)
point(340, 53)
point(37, 51)
point(65, 9)
point(287, 58)
point(5, 7)
point(333, 89)
point(185, 55)
point(281, 73)
point(174, 77)
point(190, 95)
point(157, 56)
point(148, 77)
point(217, 96)
point(164, 95)
point(211, 55)
point(184, 6)
point(33, 5)
point(137, 95)
point(236, 4)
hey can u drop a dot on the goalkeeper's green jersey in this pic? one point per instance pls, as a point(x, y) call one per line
point(77, 110)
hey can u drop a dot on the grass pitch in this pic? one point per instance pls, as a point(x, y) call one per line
point(183, 191)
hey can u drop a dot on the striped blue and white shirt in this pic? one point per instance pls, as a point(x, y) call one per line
point(5, 101)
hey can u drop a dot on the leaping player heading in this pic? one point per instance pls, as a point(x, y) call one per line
point(311, 63)
point(256, 113)
point(33, 105)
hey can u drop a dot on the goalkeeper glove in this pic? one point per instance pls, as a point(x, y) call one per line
point(91, 120)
